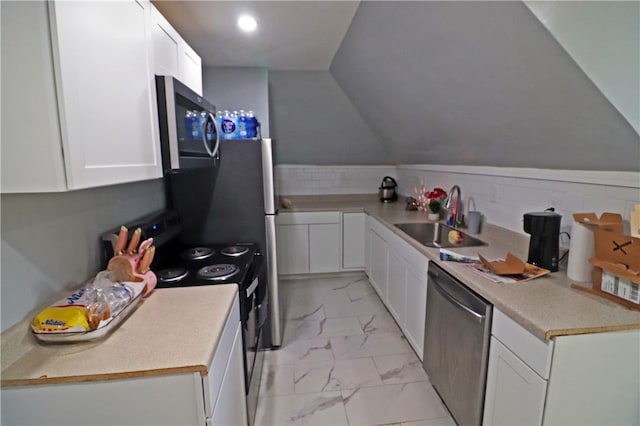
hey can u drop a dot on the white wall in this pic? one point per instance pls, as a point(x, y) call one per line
point(236, 88)
point(503, 195)
point(51, 242)
point(602, 37)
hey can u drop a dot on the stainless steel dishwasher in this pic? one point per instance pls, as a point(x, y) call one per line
point(456, 345)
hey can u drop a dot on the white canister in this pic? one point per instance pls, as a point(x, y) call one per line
point(581, 249)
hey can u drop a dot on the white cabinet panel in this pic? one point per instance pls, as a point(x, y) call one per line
point(595, 379)
point(353, 237)
point(379, 265)
point(515, 393)
point(416, 309)
point(293, 249)
point(106, 92)
point(397, 287)
point(367, 245)
point(190, 68)
point(166, 45)
point(99, 56)
point(533, 351)
point(173, 56)
point(324, 248)
point(231, 407)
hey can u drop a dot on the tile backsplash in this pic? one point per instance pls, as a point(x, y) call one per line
point(312, 180)
point(501, 197)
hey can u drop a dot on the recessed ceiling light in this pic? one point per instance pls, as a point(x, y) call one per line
point(247, 23)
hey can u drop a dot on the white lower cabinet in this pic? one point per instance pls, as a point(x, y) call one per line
point(182, 398)
point(309, 242)
point(416, 308)
point(293, 249)
point(574, 379)
point(353, 241)
point(398, 272)
point(324, 247)
point(379, 265)
point(397, 288)
point(515, 393)
point(231, 406)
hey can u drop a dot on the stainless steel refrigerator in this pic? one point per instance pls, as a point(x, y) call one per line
point(243, 208)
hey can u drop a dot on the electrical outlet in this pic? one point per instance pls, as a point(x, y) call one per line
point(493, 194)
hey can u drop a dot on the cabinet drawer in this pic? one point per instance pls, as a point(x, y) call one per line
point(213, 381)
point(533, 351)
point(308, 218)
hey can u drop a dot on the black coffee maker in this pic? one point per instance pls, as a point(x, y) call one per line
point(544, 243)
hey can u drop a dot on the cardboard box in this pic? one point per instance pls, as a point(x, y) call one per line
point(616, 247)
point(510, 266)
point(607, 221)
point(616, 265)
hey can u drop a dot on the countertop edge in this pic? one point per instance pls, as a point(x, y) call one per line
point(202, 369)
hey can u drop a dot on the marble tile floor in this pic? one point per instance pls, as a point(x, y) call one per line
point(343, 361)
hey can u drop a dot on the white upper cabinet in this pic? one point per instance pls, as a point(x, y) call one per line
point(166, 45)
point(173, 56)
point(190, 68)
point(78, 99)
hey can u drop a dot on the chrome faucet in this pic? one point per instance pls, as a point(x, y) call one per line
point(457, 218)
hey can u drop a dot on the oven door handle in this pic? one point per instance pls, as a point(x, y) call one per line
point(252, 288)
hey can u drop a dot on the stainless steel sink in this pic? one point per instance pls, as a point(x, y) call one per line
point(435, 234)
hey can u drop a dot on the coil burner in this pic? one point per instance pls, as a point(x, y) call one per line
point(196, 253)
point(172, 275)
point(234, 251)
point(222, 271)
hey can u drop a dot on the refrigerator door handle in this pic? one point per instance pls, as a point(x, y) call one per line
point(274, 297)
point(268, 177)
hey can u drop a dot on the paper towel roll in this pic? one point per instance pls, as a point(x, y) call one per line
point(581, 249)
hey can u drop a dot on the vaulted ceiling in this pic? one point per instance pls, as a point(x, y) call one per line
point(451, 82)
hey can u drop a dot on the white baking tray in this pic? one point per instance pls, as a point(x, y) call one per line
point(105, 327)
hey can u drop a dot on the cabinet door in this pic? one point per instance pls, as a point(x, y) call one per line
point(231, 407)
point(106, 92)
point(166, 45)
point(379, 265)
point(293, 249)
point(190, 68)
point(397, 288)
point(416, 309)
point(324, 247)
point(367, 246)
point(515, 393)
point(353, 240)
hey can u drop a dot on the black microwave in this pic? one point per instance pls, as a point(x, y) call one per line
point(189, 135)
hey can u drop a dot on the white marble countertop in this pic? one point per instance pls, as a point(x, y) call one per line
point(546, 306)
point(174, 330)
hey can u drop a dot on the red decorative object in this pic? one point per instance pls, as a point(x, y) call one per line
point(436, 194)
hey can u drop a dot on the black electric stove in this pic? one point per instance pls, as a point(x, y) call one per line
point(177, 265)
point(208, 265)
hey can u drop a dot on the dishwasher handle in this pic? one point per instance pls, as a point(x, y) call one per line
point(455, 302)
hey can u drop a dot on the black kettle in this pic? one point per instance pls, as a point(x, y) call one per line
point(387, 190)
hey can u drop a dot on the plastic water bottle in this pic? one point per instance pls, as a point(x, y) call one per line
point(242, 125)
point(252, 125)
point(192, 125)
point(227, 125)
